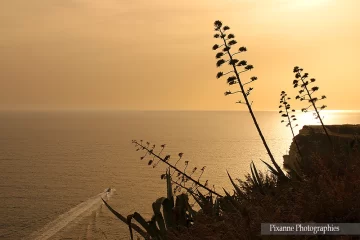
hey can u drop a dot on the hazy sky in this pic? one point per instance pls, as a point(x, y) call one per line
point(142, 54)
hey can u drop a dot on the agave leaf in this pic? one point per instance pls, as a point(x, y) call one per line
point(271, 169)
point(207, 202)
point(232, 202)
point(197, 199)
point(154, 228)
point(254, 177)
point(191, 211)
point(258, 178)
point(169, 187)
point(203, 199)
point(188, 208)
point(180, 206)
point(168, 213)
point(227, 194)
point(237, 189)
point(280, 175)
point(129, 217)
point(281, 172)
point(158, 216)
point(252, 180)
point(216, 208)
point(124, 220)
point(150, 229)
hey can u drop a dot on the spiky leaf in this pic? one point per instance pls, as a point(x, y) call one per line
point(158, 216)
point(237, 189)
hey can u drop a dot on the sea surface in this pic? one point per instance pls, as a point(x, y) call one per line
point(55, 166)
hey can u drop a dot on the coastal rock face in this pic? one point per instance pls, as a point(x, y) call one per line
point(312, 140)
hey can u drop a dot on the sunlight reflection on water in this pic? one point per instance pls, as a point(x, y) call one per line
point(329, 117)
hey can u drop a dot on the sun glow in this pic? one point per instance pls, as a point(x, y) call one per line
point(309, 118)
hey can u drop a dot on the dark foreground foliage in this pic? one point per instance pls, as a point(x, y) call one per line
point(327, 195)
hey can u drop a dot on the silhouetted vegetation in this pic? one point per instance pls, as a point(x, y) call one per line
point(307, 93)
point(289, 115)
point(228, 44)
point(323, 189)
point(183, 177)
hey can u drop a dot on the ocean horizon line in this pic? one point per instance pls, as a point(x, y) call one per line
point(154, 110)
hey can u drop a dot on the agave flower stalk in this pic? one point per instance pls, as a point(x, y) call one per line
point(188, 189)
point(301, 82)
point(228, 43)
point(165, 160)
point(290, 117)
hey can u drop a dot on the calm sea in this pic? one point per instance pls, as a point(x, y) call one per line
point(55, 166)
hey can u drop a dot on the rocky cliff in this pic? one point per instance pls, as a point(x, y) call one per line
point(312, 140)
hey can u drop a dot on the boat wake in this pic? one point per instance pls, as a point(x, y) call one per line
point(75, 214)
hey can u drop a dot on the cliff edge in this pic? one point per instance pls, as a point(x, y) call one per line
point(312, 140)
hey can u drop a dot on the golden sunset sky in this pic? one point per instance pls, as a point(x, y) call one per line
point(157, 55)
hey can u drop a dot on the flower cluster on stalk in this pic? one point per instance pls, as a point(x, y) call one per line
point(286, 111)
point(289, 115)
point(182, 176)
point(306, 92)
point(225, 56)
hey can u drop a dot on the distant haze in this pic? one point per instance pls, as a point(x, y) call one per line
point(156, 55)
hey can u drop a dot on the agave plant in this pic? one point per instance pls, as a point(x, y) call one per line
point(226, 56)
point(173, 214)
point(307, 93)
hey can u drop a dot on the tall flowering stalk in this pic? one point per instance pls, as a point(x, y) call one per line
point(183, 177)
point(289, 115)
point(307, 93)
point(228, 43)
